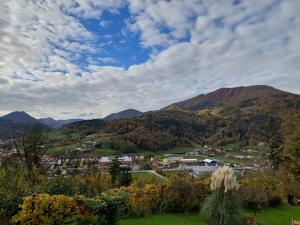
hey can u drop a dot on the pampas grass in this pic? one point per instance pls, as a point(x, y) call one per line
point(222, 207)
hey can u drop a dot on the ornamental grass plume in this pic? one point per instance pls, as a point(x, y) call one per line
point(222, 207)
point(224, 176)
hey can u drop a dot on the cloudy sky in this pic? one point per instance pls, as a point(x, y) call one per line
point(88, 58)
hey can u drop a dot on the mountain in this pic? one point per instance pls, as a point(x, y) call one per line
point(242, 97)
point(19, 122)
point(56, 123)
point(84, 127)
point(21, 117)
point(126, 114)
point(225, 116)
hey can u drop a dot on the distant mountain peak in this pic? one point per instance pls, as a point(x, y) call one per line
point(19, 116)
point(125, 114)
point(229, 97)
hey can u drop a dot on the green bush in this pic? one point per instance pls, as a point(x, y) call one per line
point(15, 183)
point(275, 202)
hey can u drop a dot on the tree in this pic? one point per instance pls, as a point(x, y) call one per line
point(125, 177)
point(274, 136)
point(256, 190)
point(31, 146)
point(291, 145)
point(119, 175)
point(115, 170)
point(222, 207)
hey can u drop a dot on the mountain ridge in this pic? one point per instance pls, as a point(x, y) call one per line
point(221, 117)
point(125, 114)
point(56, 123)
point(237, 96)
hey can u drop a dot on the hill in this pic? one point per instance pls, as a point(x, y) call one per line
point(84, 127)
point(258, 96)
point(18, 122)
point(225, 116)
point(126, 114)
point(21, 117)
point(56, 123)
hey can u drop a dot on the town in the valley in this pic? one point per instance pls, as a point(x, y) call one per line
point(194, 161)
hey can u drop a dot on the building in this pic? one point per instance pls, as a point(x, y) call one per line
point(210, 161)
point(199, 170)
point(172, 159)
point(105, 162)
point(136, 156)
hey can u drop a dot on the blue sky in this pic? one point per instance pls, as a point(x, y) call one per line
point(89, 58)
point(118, 47)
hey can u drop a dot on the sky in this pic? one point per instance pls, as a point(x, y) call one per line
point(88, 58)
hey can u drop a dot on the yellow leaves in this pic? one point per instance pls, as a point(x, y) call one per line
point(49, 209)
point(144, 200)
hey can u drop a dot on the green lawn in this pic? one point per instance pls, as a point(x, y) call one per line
point(146, 178)
point(178, 150)
point(281, 216)
point(102, 152)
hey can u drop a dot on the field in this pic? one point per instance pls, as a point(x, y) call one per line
point(281, 216)
point(146, 178)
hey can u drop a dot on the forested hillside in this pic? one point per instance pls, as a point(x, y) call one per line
point(218, 118)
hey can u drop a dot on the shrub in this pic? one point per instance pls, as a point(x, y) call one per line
point(56, 209)
point(60, 209)
point(257, 189)
point(144, 201)
point(222, 208)
point(16, 184)
point(275, 202)
point(184, 193)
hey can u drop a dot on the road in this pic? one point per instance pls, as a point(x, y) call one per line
point(150, 171)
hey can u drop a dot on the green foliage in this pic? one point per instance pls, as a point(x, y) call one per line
point(119, 175)
point(184, 193)
point(115, 169)
point(274, 133)
point(275, 202)
point(17, 182)
point(291, 144)
point(61, 185)
point(257, 189)
point(31, 146)
point(222, 207)
point(84, 128)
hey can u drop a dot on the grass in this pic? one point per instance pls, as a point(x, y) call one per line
point(165, 219)
point(56, 135)
point(146, 178)
point(102, 152)
point(174, 172)
point(178, 150)
point(57, 151)
point(280, 216)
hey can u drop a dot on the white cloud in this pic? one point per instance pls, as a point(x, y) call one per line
point(207, 45)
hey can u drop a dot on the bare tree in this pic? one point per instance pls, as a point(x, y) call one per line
point(30, 146)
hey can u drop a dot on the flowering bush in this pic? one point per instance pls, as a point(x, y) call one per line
point(60, 209)
point(144, 201)
point(52, 209)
